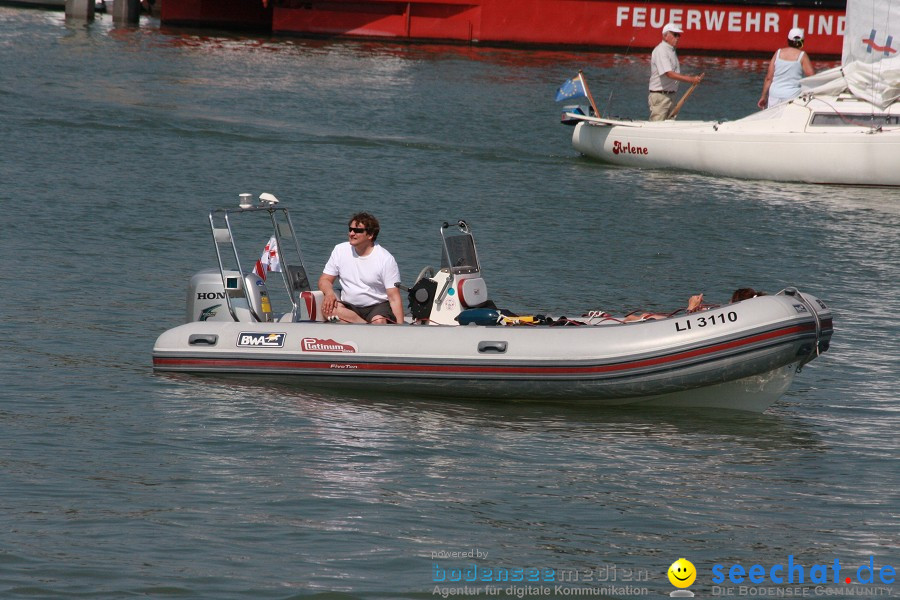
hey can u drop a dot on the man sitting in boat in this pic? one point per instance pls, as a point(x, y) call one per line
point(367, 272)
point(665, 73)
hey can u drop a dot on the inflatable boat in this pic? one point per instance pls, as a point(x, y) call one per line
point(456, 343)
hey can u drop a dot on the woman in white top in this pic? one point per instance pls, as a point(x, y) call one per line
point(788, 66)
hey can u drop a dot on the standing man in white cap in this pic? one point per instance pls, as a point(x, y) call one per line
point(788, 66)
point(665, 73)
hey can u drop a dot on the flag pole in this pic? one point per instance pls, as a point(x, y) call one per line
point(678, 106)
point(587, 92)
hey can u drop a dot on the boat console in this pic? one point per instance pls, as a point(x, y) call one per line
point(439, 296)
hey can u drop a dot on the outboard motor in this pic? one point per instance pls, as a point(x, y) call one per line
point(208, 298)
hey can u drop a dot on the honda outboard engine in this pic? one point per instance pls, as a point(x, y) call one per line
point(208, 296)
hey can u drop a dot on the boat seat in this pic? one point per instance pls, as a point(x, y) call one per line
point(473, 292)
point(310, 306)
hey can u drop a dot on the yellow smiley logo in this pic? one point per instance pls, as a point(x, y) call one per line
point(682, 573)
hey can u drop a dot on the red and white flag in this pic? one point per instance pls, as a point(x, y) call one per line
point(269, 259)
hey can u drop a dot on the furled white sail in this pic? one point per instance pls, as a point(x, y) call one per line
point(870, 65)
point(868, 37)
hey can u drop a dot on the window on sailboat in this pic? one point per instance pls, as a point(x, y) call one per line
point(850, 120)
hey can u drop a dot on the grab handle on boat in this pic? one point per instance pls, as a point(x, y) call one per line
point(794, 292)
point(498, 347)
point(443, 292)
point(204, 339)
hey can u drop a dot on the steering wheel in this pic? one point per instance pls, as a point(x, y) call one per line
point(426, 272)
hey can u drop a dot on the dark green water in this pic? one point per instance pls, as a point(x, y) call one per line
point(118, 483)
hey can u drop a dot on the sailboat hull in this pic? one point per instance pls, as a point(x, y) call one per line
point(830, 140)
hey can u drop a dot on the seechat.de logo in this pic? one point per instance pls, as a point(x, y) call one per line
point(795, 572)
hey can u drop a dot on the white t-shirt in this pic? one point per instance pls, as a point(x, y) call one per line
point(364, 279)
point(662, 60)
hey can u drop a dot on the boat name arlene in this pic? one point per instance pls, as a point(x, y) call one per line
point(618, 148)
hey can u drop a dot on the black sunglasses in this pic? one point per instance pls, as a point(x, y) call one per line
point(357, 229)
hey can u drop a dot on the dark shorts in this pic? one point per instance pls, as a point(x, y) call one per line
point(370, 312)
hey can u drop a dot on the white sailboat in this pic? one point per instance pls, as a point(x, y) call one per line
point(843, 129)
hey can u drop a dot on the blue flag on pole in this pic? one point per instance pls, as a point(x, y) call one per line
point(573, 88)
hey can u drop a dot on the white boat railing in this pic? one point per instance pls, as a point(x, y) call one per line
point(291, 270)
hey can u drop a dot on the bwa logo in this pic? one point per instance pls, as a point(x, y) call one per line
point(261, 340)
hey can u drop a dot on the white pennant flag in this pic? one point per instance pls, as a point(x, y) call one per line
point(269, 259)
